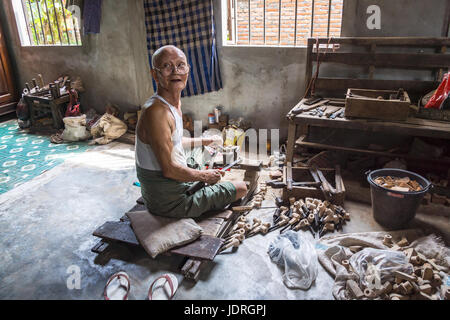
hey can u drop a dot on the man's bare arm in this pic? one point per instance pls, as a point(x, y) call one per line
point(158, 134)
point(198, 142)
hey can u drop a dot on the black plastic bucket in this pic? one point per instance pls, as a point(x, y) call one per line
point(394, 209)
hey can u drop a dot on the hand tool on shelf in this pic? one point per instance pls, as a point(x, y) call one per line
point(200, 184)
point(337, 113)
point(303, 108)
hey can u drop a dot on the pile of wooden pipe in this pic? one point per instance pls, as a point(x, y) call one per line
point(256, 201)
point(243, 229)
point(425, 283)
point(316, 215)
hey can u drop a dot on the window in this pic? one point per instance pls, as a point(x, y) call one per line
point(280, 22)
point(47, 22)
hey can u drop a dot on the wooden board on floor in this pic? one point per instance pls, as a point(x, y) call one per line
point(210, 226)
point(216, 214)
point(206, 247)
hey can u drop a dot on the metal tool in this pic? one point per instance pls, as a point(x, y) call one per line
point(337, 113)
point(275, 184)
point(200, 184)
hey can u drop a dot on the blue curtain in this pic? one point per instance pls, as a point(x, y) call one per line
point(188, 25)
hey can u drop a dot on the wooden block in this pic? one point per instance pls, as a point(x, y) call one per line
point(396, 296)
point(426, 288)
point(424, 296)
point(403, 243)
point(427, 273)
point(409, 253)
point(406, 288)
point(242, 208)
point(387, 288)
point(404, 276)
point(354, 289)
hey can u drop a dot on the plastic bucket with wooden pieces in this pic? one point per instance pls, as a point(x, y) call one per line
point(393, 209)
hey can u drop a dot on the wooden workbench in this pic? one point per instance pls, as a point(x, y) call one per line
point(412, 127)
point(406, 53)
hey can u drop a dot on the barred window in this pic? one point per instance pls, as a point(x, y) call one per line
point(47, 22)
point(281, 22)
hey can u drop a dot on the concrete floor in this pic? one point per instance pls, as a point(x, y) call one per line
point(47, 227)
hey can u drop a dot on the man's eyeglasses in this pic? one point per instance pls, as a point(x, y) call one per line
point(168, 68)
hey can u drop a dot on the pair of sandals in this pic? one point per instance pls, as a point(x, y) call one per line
point(118, 287)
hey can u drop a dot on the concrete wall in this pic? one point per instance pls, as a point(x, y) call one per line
point(109, 64)
point(260, 84)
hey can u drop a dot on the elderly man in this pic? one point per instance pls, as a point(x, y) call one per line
point(161, 163)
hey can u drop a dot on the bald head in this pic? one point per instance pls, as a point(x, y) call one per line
point(156, 57)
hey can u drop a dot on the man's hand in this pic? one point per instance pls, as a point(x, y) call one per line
point(213, 176)
point(213, 140)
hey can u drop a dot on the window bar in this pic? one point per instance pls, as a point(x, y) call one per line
point(249, 24)
point(295, 24)
point(49, 22)
point(57, 23)
point(264, 18)
point(229, 22)
point(40, 18)
point(279, 22)
point(34, 25)
point(65, 22)
point(27, 20)
point(75, 29)
point(329, 18)
point(312, 19)
point(235, 22)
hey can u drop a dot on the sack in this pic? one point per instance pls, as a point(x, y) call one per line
point(75, 129)
point(440, 98)
point(107, 129)
point(159, 234)
point(297, 254)
point(374, 266)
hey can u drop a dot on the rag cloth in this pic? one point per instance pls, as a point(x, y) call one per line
point(160, 234)
point(332, 250)
point(168, 198)
point(92, 15)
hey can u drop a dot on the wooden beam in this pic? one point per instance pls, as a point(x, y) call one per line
point(388, 60)
point(387, 41)
point(342, 84)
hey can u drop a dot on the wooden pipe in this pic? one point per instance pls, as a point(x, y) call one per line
point(235, 243)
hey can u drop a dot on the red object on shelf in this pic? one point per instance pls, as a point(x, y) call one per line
point(442, 92)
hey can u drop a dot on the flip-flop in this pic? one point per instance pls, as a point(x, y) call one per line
point(117, 286)
point(163, 288)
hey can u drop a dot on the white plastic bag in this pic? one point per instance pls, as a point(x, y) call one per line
point(296, 253)
point(374, 266)
point(75, 129)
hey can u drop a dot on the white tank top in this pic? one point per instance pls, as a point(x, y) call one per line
point(145, 157)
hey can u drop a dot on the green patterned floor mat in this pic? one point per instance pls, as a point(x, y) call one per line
point(25, 156)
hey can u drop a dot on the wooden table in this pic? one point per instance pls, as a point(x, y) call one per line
point(34, 101)
point(301, 123)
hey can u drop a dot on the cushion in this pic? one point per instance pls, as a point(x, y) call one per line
point(159, 234)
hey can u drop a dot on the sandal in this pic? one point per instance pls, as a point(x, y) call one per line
point(168, 285)
point(119, 275)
